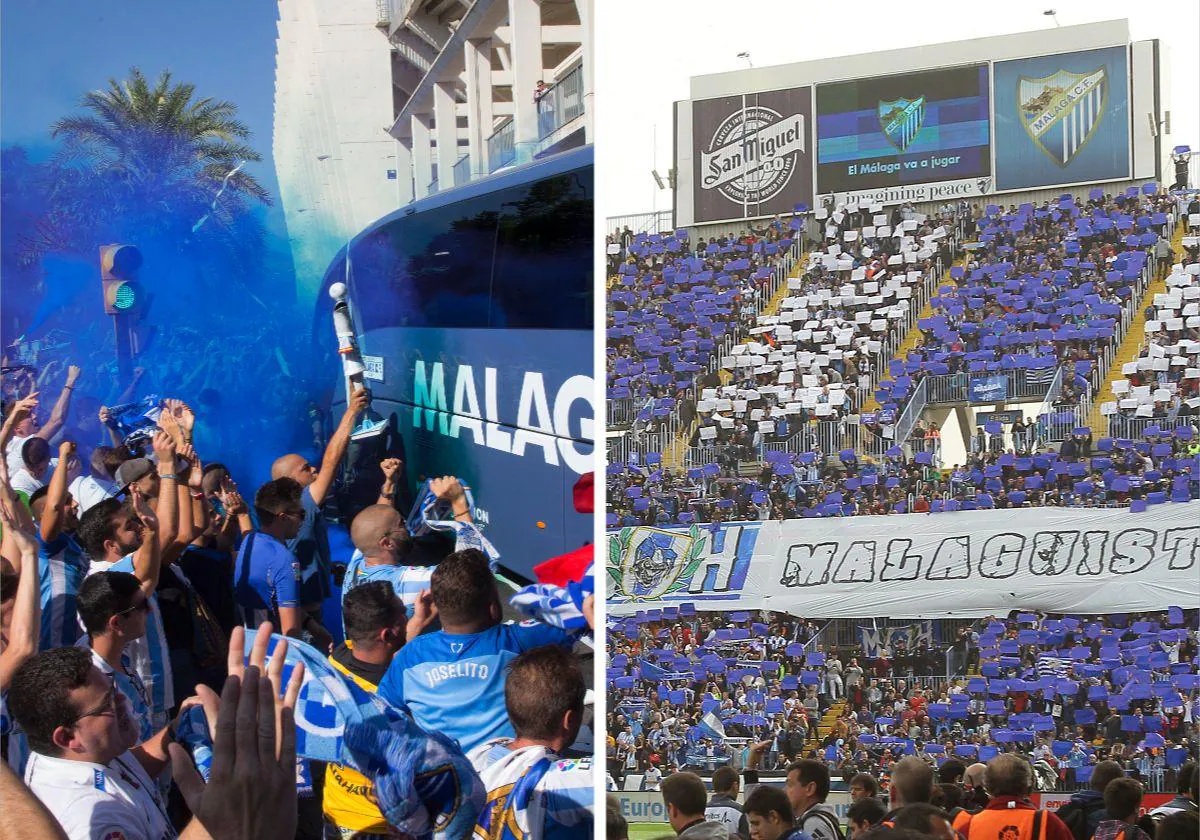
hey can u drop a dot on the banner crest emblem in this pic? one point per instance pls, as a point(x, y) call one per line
point(1062, 111)
point(900, 120)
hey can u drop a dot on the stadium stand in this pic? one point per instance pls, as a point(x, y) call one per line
point(693, 690)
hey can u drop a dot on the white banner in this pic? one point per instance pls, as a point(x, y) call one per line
point(972, 563)
point(937, 191)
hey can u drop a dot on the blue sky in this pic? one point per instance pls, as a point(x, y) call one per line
point(52, 53)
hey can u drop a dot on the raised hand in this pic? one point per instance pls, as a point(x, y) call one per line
point(233, 503)
point(390, 467)
point(25, 406)
point(447, 488)
point(164, 448)
point(424, 611)
point(66, 449)
point(72, 374)
point(182, 413)
point(142, 507)
point(359, 401)
point(251, 792)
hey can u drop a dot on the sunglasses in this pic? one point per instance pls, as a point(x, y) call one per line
point(142, 605)
point(107, 707)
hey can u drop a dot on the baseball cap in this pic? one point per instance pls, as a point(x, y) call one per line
point(131, 471)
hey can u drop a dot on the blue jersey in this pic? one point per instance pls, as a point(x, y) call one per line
point(407, 581)
point(311, 547)
point(266, 577)
point(149, 654)
point(62, 566)
point(532, 794)
point(16, 747)
point(129, 684)
point(454, 683)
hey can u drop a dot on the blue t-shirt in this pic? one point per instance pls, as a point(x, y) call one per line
point(266, 577)
point(454, 683)
point(407, 581)
point(62, 566)
point(311, 547)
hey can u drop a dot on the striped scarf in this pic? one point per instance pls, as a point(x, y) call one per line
point(429, 514)
point(557, 606)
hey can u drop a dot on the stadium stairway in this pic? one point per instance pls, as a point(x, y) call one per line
point(673, 455)
point(1132, 344)
point(914, 334)
point(826, 723)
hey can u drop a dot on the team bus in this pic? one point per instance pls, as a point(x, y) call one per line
point(473, 309)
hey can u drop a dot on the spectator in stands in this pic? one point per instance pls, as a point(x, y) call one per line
point(807, 789)
point(22, 423)
point(912, 782)
point(926, 819)
point(723, 807)
point(616, 826)
point(1085, 810)
point(684, 795)
point(1122, 799)
point(769, 815)
point(1009, 780)
point(863, 786)
point(1185, 800)
point(1182, 825)
point(864, 814)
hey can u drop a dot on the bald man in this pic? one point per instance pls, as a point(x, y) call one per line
point(311, 543)
point(383, 544)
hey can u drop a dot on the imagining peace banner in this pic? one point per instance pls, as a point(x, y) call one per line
point(968, 563)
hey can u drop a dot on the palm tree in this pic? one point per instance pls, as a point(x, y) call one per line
point(156, 141)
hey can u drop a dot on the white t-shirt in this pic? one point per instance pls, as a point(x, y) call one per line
point(90, 491)
point(12, 454)
point(97, 801)
point(23, 481)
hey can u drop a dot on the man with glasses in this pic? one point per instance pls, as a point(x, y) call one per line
point(131, 537)
point(82, 767)
point(114, 610)
point(267, 576)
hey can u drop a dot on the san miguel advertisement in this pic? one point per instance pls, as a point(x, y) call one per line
point(753, 154)
point(1062, 119)
point(919, 136)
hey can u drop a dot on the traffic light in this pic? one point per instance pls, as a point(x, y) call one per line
point(118, 274)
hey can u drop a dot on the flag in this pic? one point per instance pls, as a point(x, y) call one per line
point(429, 513)
point(555, 605)
point(1052, 666)
point(425, 785)
point(712, 724)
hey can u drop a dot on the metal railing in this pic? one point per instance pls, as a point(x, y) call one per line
point(620, 411)
point(1023, 385)
point(502, 148)
point(561, 103)
point(1121, 426)
point(462, 170)
point(903, 426)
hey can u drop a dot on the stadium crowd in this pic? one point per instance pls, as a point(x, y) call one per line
point(1161, 466)
point(694, 691)
point(136, 705)
point(953, 802)
point(671, 308)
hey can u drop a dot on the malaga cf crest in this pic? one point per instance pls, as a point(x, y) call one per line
point(901, 120)
point(648, 563)
point(1061, 112)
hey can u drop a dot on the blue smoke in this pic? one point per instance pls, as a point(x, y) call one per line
point(222, 331)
